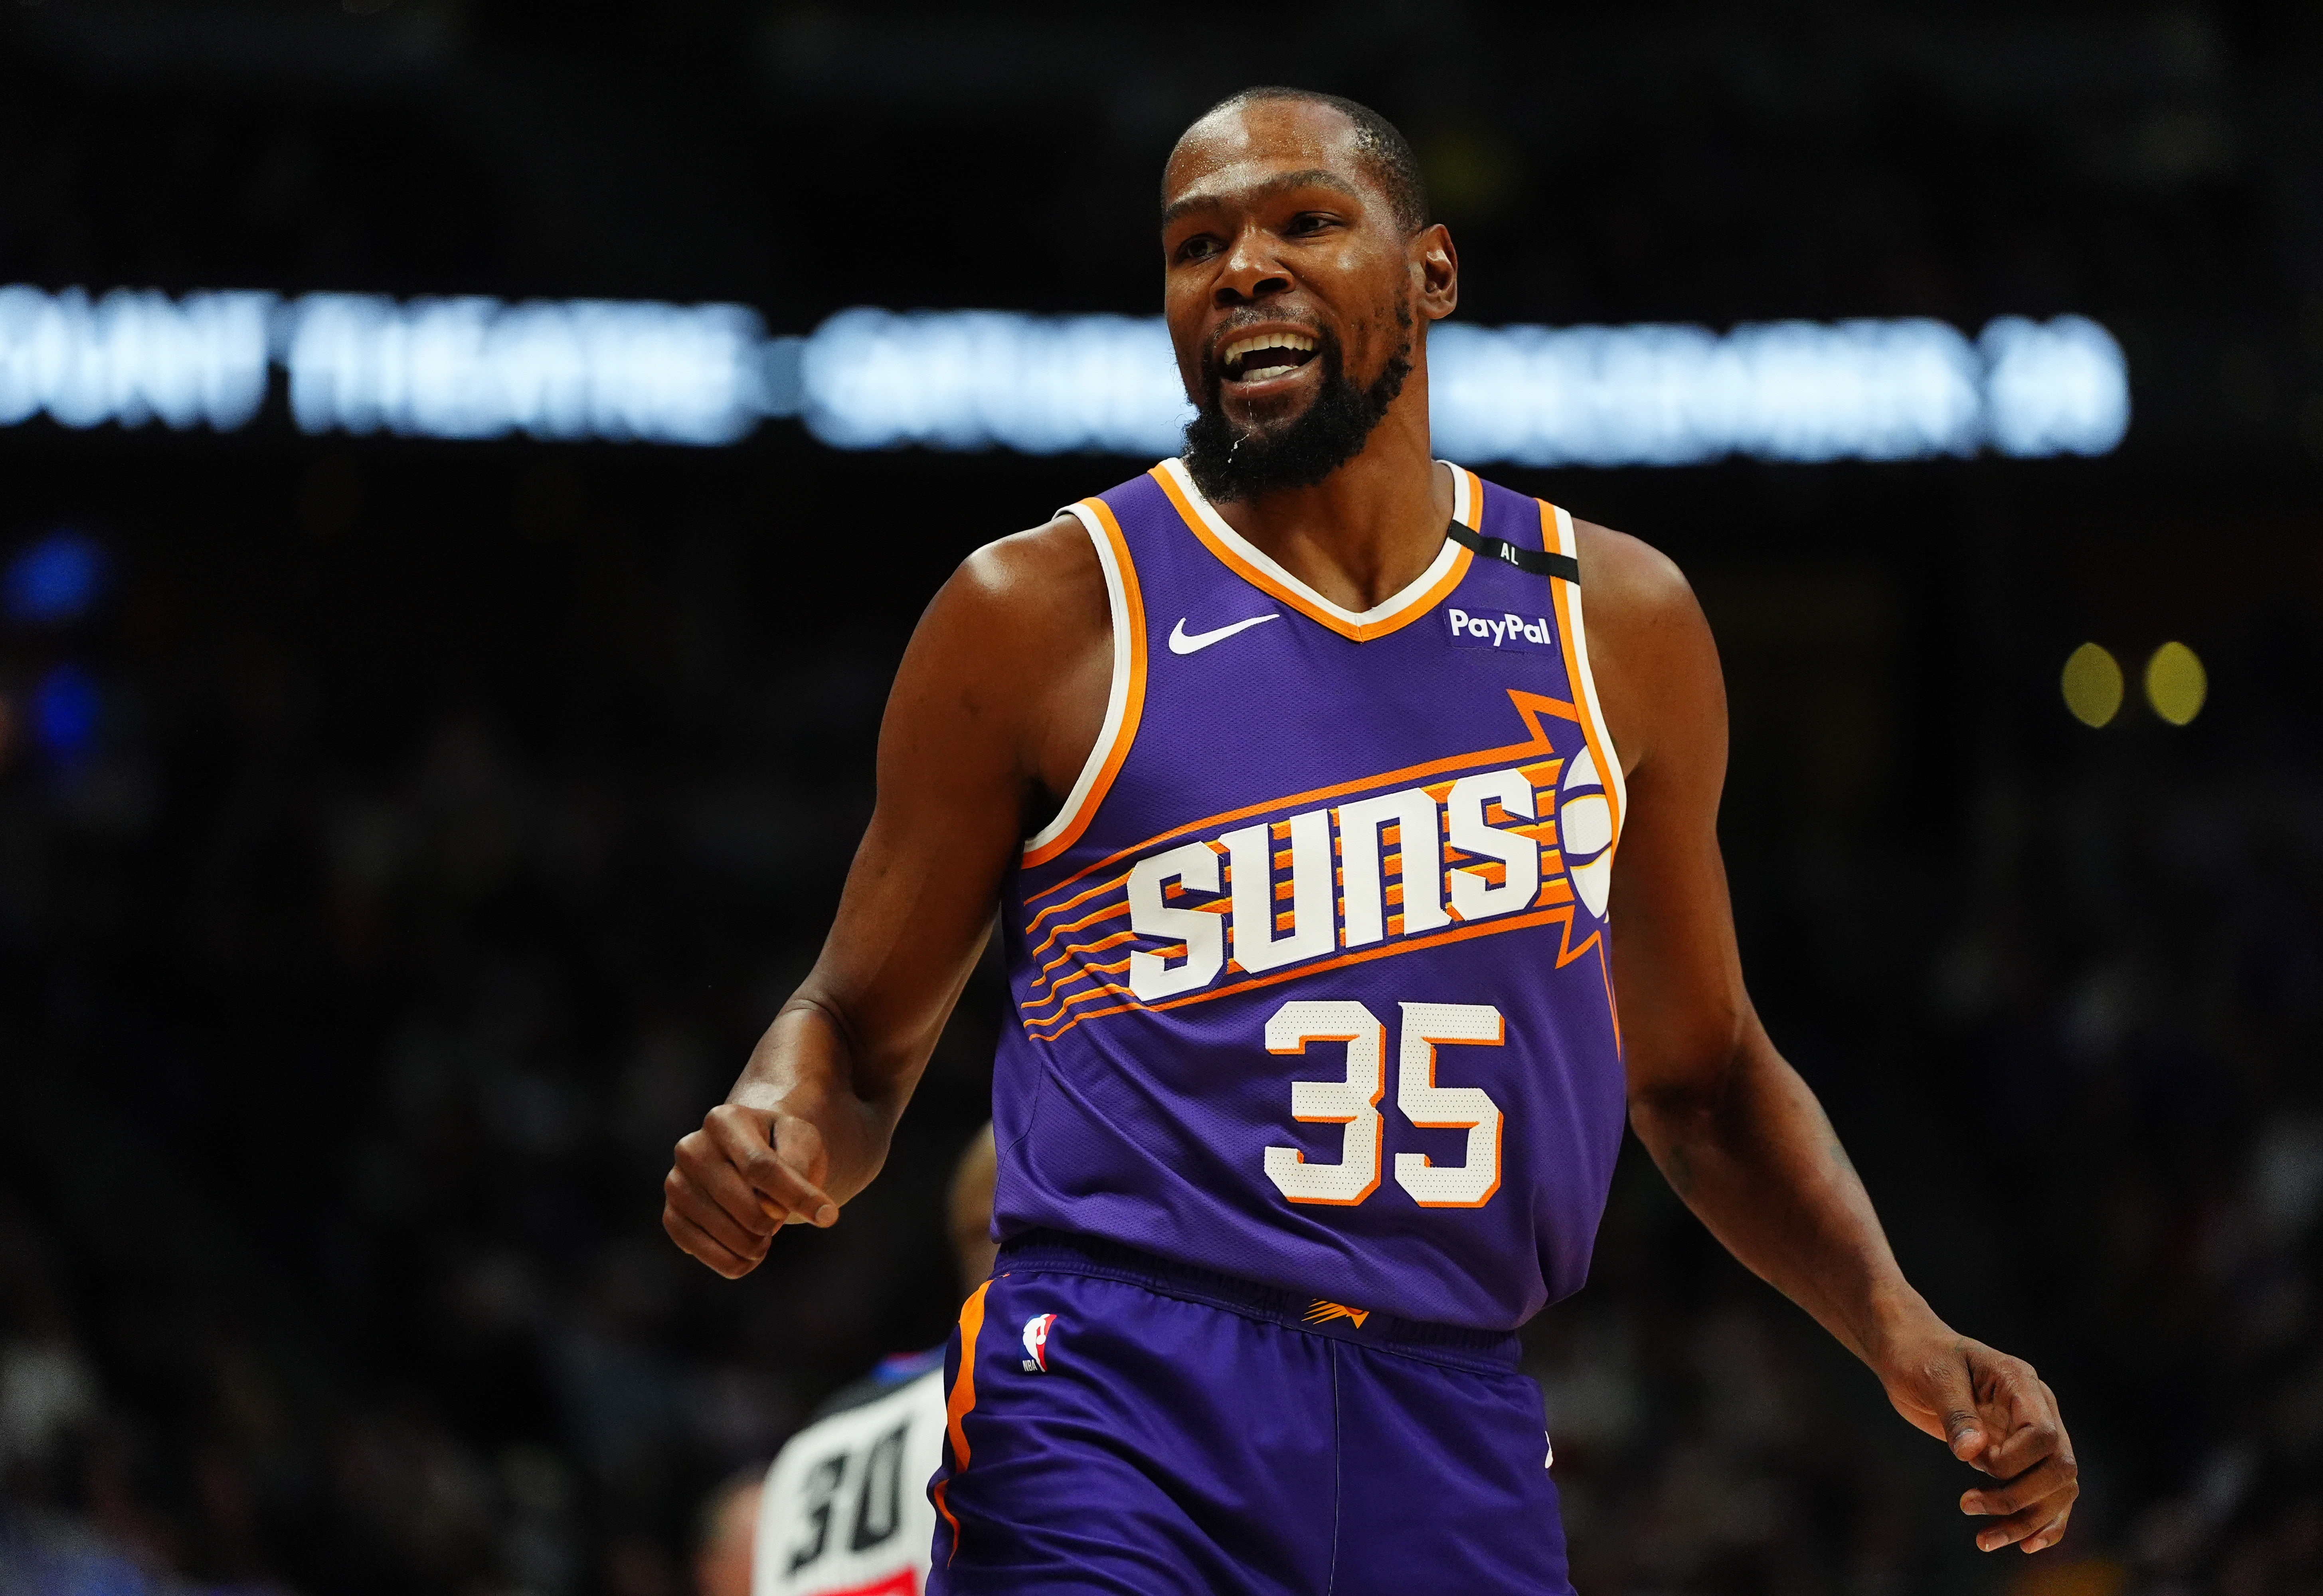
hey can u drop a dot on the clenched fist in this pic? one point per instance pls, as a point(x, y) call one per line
point(744, 1175)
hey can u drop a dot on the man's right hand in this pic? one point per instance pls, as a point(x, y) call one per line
point(745, 1174)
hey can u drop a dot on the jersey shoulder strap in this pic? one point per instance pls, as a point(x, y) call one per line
point(1532, 561)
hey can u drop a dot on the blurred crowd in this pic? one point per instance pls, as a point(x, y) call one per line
point(346, 1030)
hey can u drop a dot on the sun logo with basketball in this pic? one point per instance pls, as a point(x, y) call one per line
point(1036, 1343)
point(1584, 830)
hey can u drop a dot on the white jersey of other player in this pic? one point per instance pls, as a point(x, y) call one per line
point(845, 1511)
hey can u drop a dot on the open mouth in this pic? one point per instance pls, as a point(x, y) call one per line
point(1265, 356)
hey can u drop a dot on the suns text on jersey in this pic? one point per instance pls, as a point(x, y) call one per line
point(1363, 876)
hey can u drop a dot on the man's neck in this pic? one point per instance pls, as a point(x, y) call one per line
point(1364, 533)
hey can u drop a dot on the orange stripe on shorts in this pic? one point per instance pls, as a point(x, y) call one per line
point(959, 1403)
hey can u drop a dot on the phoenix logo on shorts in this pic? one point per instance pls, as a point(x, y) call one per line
point(1503, 838)
point(1036, 1343)
point(1321, 1312)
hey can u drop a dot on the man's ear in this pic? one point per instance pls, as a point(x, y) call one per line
point(1438, 264)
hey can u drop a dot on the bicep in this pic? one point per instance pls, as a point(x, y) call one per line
point(986, 702)
point(947, 821)
point(1677, 974)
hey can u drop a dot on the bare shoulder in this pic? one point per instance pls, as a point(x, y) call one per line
point(1021, 598)
point(1650, 650)
point(1034, 571)
point(1628, 583)
point(1018, 645)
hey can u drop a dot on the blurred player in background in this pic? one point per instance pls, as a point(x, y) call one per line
point(1309, 804)
point(844, 1510)
point(726, 1536)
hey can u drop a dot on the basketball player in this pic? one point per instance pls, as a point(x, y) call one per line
point(1310, 804)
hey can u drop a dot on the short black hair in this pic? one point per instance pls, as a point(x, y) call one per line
point(1386, 153)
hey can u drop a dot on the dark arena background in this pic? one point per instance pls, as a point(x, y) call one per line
point(404, 834)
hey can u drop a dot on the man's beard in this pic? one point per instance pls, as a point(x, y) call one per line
point(1232, 464)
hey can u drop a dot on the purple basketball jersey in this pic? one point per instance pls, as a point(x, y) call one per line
point(1310, 978)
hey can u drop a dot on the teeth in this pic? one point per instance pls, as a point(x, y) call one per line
point(1241, 346)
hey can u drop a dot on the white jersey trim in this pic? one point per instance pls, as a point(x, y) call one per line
point(1419, 589)
point(1585, 689)
point(1463, 512)
point(1117, 697)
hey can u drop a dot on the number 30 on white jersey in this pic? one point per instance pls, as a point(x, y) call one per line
point(845, 1511)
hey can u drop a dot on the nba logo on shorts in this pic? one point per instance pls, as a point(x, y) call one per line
point(1036, 1343)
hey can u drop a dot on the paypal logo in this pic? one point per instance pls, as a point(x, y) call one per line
point(1506, 631)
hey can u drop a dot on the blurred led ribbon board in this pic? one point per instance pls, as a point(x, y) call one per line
point(869, 378)
point(132, 357)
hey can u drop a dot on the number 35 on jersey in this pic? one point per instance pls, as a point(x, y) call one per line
point(1353, 1103)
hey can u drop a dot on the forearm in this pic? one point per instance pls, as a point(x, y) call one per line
point(1752, 1153)
point(844, 1054)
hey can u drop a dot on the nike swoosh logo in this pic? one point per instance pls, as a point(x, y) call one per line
point(1180, 643)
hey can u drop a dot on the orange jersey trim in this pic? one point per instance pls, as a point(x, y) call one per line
point(1062, 1000)
point(1567, 954)
point(1134, 705)
point(1094, 917)
point(1599, 739)
point(1612, 1006)
point(960, 1401)
point(1042, 977)
point(1033, 924)
point(1576, 672)
point(1355, 631)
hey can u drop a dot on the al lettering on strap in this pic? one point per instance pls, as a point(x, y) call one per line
point(1533, 561)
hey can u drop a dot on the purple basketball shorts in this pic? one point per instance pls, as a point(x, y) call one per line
point(1121, 1424)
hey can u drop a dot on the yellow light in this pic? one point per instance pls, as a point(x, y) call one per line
point(2176, 683)
point(2092, 683)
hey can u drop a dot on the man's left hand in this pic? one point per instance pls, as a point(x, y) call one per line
point(1996, 1414)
